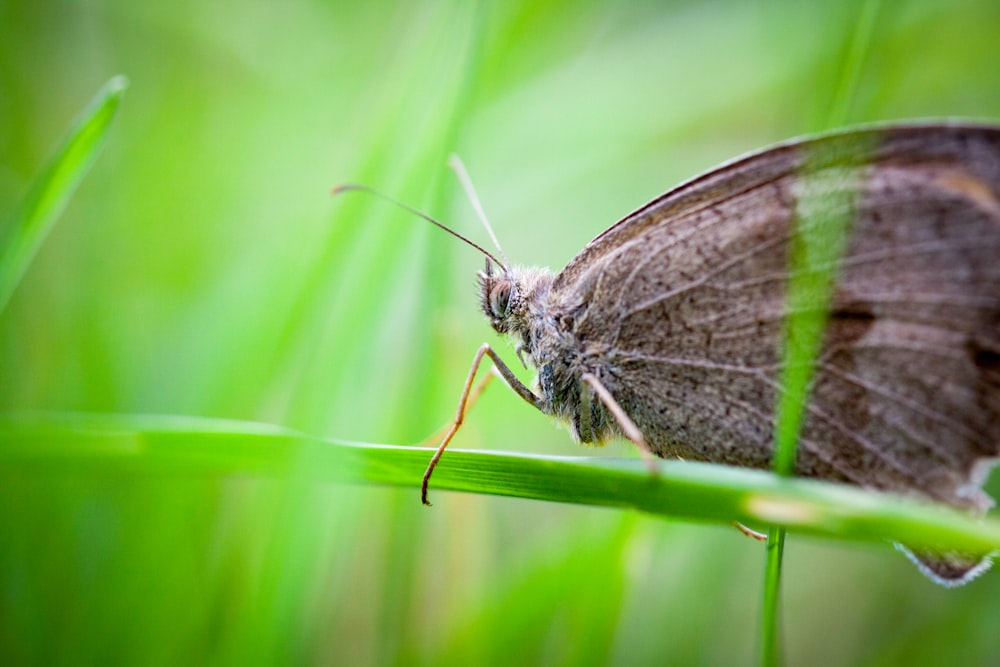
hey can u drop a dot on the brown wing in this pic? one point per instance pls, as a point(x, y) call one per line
point(679, 308)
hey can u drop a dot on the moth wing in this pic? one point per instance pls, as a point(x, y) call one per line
point(680, 308)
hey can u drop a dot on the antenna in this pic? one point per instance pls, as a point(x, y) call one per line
point(458, 166)
point(353, 187)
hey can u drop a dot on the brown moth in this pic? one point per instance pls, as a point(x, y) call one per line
point(667, 328)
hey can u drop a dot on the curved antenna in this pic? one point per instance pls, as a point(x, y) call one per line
point(353, 187)
point(458, 167)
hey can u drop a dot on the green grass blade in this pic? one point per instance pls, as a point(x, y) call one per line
point(187, 446)
point(824, 212)
point(50, 192)
point(770, 632)
point(850, 70)
point(823, 217)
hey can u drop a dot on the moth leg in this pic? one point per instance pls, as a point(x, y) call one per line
point(508, 377)
point(628, 426)
point(633, 433)
point(749, 532)
point(435, 438)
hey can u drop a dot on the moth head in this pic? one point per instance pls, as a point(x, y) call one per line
point(514, 298)
point(500, 298)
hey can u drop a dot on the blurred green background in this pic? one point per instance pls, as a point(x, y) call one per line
point(203, 269)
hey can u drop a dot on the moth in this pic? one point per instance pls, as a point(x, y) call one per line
point(667, 328)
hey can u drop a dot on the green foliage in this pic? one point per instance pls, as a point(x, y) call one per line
point(145, 445)
point(50, 192)
point(202, 269)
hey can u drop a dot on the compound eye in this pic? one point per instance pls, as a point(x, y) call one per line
point(500, 299)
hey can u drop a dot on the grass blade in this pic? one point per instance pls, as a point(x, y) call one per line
point(186, 446)
point(770, 632)
point(823, 220)
point(52, 189)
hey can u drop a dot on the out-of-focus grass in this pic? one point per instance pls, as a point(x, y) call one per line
point(203, 270)
point(823, 225)
point(23, 234)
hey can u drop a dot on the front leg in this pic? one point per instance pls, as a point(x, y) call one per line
point(508, 377)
